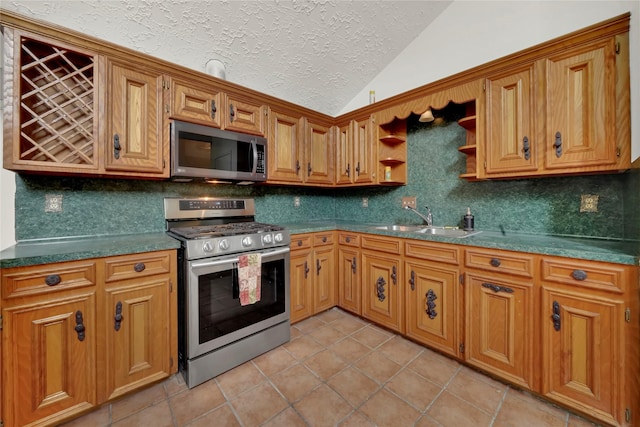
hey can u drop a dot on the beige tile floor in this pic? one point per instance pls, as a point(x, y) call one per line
point(337, 370)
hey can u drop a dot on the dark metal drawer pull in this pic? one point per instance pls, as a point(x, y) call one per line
point(558, 144)
point(431, 305)
point(556, 315)
point(380, 288)
point(495, 262)
point(52, 279)
point(79, 326)
point(348, 171)
point(118, 317)
point(139, 267)
point(324, 239)
point(412, 280)
point(318, 267)
point(579, 275)
point(354, 268)
point(497, 288)
point(116, 146)
point(394, 276)
point(306, 269)
point(232, 113)
point(213, 109)
point(526, 148)
point(348, 239)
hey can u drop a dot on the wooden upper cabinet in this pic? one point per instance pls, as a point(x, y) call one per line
point(244, 115)
point(51, 105)
point(195, 104)
point(355, 152)
point(135, 137)
point(511, 144)
point(284, 148)
point(319, 166)
point(581, 108)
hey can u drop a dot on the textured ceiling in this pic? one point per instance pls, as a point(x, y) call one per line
point(315, 53)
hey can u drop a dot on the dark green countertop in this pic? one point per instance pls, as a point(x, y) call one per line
point(616, 251)
point(46, 251)
point(74, 248)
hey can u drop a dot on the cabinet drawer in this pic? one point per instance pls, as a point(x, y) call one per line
point(134, 266)
point(33, 280)
point(518, 264)
point(321, 239)
point(301, 241)
point(382, 244)
point(432, 251)
point(348, 239)
point(602, 276)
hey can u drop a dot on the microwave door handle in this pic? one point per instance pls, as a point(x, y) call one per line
point(254, 151)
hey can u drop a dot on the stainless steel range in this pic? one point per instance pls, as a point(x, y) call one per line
point(233, 290)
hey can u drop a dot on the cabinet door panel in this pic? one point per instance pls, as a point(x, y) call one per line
point(349, 279)
point(325, 279)
point(190, 103)
point(582, 353)
point(344, 155)
point(244, 116)
point(432, 305)
point(363, 151)
point(137, 346)
point(285, 154)
point(511, 141)
point(382, 295)
point(581, 108)
point(319, 167)
point(136, 124)
point(499, 327)
point(301, 285)
point(50, 371)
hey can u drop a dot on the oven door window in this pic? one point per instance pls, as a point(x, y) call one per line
point(219, 309)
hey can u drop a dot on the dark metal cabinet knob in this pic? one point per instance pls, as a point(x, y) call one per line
point(139, 267)
point(79, 326)
point(52, 279)
point(495, 262)
point(579, 275)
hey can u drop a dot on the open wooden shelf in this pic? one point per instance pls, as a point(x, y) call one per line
point(393, 139)
point(467, 149)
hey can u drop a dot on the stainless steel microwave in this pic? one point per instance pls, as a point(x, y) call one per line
point(215, 155)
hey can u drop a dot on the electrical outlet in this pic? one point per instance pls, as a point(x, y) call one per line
point(409, 201)
point(296, 202)
point(589, 203)
point(53, 203)
point(365, 202)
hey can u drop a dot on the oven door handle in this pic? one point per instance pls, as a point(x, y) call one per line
point(213, 263)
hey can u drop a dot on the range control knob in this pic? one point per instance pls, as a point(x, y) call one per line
point(224, 244)
point(266, 238)
point(207, 247)
point(278, 237)
point(247, 241)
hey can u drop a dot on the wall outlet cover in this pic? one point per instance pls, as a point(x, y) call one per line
point(409, 201)
point(296, 202)
point(53, 203)
point(589, 203)
point(365, 202)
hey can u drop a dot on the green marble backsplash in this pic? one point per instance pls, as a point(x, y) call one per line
point(542, 205)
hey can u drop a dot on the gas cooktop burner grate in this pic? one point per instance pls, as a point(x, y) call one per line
point(224, 230)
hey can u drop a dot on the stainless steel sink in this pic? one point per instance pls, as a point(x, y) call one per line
point(399, 227)
point(433, 230)
point(447, 232)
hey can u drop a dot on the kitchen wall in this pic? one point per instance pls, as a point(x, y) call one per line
point(542, 205)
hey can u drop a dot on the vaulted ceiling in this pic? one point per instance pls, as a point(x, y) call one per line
point(315, 53)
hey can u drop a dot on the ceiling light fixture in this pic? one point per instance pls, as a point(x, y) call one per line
point(216, 68)
point(427, 116)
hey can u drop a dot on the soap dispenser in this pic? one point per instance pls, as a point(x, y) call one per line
point(467, 221)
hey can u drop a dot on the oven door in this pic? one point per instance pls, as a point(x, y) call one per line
point(213, 312)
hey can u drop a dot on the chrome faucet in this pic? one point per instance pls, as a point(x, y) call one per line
point(428, 219)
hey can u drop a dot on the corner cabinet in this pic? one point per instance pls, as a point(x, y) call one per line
point(137, 140)
point(355, 152)
point(68, 346)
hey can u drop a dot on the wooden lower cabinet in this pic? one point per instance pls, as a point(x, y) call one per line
point(313, 274)
point(61, 352)
point(49, 359)
point(349, 267)
point(382, 290)
point(433, 305)
point(582, 351)
point(499, 326)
